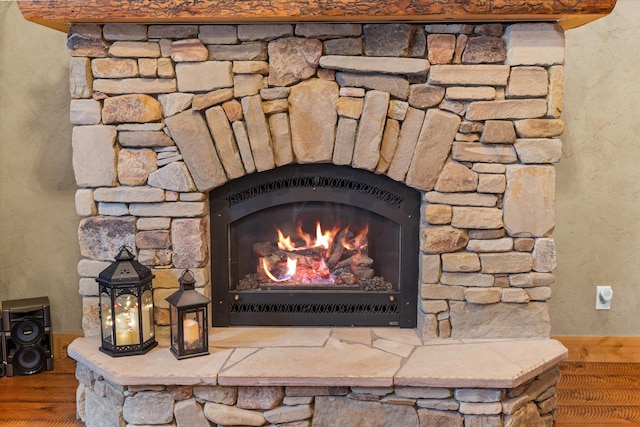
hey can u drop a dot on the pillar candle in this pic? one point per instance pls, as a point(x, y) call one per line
point(191, 332)
point(126, 328)
point(146, 322)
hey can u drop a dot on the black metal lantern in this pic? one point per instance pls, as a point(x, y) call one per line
point(126, 307)
point(188, 317)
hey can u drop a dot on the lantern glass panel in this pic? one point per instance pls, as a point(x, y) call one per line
point(192, 328)
point(174, 326)
point(126, 315)
point(106, 317)
point(147, 315)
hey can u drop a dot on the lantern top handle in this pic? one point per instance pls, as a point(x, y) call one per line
point(124, 254)
point(187, 281)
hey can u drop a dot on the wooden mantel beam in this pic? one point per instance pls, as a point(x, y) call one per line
point(59, 14)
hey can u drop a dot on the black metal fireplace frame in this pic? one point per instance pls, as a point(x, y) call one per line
point(324, 183)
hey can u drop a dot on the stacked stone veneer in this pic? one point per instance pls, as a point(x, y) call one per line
point(466, 114)
point(107, 404)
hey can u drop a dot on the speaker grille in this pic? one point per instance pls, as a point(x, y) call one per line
point(29, 360)
point(27, 331)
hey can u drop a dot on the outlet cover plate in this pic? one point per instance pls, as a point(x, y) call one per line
point(603, 303)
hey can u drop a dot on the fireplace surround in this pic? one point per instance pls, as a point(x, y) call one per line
point(174, 106)
point(466, 115)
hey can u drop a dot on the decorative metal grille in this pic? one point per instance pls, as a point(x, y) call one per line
point(327, 182)
point(302, 308)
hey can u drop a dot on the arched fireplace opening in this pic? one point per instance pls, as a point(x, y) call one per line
point(314, 245)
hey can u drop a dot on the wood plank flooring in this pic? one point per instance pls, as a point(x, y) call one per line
point(601, 348)
point(47, 399)
point(594, 394)
point(599, 394)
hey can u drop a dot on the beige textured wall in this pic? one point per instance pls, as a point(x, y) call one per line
point(597, 233)
point(598, 180)
point(38, 240)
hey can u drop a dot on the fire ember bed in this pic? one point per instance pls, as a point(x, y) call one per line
point(314, 245)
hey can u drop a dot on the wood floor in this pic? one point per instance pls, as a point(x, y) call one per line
point(594, 394)
point(599, 394)
point(47, 399)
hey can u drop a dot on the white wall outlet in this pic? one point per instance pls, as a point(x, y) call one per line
point(603, 297)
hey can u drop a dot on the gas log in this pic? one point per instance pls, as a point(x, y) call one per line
point(342, 265)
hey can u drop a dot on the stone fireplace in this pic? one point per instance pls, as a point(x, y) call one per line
point(177, 125)
point(466, 115)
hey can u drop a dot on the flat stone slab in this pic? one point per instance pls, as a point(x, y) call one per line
point(264, 337)
point(335, 364)
point(387, 65)
point(158, 366)
point(480, 363)
point(364, 357)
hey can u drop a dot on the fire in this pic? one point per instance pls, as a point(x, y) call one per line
point(311, 262)
point(285, 243)
point(291, 270)
point(359, 242)
point(322, 240)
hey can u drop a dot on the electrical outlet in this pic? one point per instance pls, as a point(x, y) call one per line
point(603, 297)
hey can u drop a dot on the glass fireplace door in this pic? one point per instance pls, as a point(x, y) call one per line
point(314, 246)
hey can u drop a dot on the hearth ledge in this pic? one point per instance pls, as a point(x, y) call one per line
point(360, 357)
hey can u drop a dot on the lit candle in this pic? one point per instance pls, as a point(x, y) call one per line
point(126, 329)
point(124, 338)
point(146, 322)
point(191, 332)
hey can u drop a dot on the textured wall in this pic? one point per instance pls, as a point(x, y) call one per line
point(598, 179)
point(597, 233)
point(38, 238)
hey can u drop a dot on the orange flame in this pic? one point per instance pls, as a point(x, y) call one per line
point(323, 239)
point(285, 243)
point(317, 270)
point(291, 270)
point(304, 236)
point(357, 242)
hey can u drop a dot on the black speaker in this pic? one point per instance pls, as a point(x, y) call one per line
point(27, 344)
